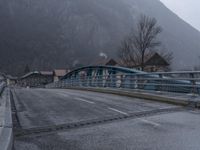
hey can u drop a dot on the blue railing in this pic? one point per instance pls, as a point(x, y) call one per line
point(119, 77)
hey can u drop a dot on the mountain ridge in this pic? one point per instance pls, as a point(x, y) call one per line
point(50, 34)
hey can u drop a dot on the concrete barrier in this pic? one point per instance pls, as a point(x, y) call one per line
point(6, 126)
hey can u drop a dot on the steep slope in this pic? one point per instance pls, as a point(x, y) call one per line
point(178, 36)
point(48, 34)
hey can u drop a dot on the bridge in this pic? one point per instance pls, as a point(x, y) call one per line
point(103, 107)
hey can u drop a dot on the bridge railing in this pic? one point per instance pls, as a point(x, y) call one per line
point(173, 82)
point(2, 83)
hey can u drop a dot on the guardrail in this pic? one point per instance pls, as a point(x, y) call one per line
point(6, 127)
point(2, 83)
point(170, 82)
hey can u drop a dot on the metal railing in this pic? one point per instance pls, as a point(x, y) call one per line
point(2, 83)
point(171, 82)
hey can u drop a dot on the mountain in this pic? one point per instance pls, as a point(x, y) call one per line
point(47, 34)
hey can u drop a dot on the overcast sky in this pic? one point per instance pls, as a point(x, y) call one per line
point(189, 10)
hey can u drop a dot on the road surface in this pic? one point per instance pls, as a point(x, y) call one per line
point(60, 119)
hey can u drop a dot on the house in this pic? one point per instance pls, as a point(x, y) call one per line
point(59, 73)
point(11, 80)
point(35, 79)
point(156, 63)
point(106, 62)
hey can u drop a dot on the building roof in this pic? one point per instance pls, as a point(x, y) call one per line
point(46, 72)
point(156, 60)
point(106, 62)
point(57, 72)
point(29, 74)
point(60, 72)
point(11, 77)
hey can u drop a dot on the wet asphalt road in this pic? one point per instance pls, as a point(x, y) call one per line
point(45, 107)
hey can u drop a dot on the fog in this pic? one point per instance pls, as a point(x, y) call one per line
point(186, 9)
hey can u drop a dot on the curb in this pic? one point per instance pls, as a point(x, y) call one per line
point(146, 96)
point(2, 89)
point(6, 126)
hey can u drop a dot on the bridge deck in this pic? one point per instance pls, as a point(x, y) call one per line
point(74, 120)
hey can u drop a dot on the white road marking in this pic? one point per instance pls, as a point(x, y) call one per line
point(149, 122)
point(121, 112)
point(192, 94)
point(65, 95)
point(84, 100)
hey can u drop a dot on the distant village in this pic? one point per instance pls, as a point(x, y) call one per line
point(41, 78)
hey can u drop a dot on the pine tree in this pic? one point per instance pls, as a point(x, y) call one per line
point(27, 69)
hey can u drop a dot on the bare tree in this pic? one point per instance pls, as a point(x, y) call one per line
point(138, 46)
point(128, 55)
